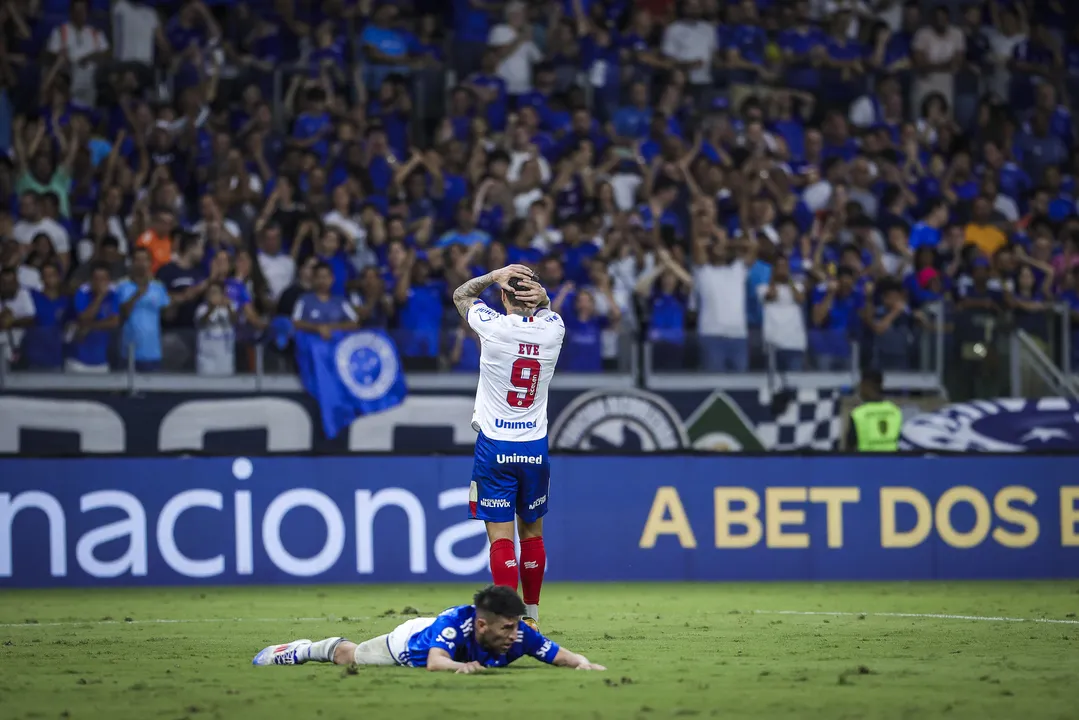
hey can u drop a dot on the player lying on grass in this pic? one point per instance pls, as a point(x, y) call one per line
point(466, 639)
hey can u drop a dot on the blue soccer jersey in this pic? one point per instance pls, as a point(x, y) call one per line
point(454, 632)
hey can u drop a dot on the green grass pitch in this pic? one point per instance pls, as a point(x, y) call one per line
point(685, 650)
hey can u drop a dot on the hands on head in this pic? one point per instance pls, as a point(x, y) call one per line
point(528, 291)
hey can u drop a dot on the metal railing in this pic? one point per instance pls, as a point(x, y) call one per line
point(1033, 373)
point(260, 366)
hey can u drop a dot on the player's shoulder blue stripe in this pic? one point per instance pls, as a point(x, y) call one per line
point(477, 301)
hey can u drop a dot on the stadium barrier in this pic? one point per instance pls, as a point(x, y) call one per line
point(174, 521)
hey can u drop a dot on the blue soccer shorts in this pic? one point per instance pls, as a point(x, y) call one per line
point(509, 478)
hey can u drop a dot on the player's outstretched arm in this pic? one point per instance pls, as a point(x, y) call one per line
point(440, 660)
point(470, 291)
point(572, 660)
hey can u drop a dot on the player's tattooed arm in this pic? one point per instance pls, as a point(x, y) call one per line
point(469, 292)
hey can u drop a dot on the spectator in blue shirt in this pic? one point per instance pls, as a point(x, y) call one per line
point(97, 315)
point(419, 300)
point(843, 67)
point(320, 311)
point(491, 91)
point(141, 301)
point(1061, 123)
point(1038, 149)
point(471, 25)
point(632, 122)
point(313, 128)
point(384, 47)
point(802, 48)
point(465, 232)
point(464, 353)
point(837, 305)
point(746, 42)
point(1033, 60)
point(329, 250)
point(892, 325)
point(43, 346)
point(927, 232)
point(582, 350)
point(576, 251)
point(667, 310)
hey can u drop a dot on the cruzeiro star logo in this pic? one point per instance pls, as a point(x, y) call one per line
point(367, 365)
point(364, 365)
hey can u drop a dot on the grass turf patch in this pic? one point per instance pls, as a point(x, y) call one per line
point(673, 650)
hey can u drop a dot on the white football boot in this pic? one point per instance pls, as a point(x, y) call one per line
point(282, 654)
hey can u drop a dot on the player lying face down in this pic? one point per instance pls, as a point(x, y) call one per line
point(489, 633)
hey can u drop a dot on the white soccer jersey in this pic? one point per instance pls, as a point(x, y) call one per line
point(517, 361)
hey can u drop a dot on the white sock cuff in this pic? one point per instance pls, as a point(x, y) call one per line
point(323, 650)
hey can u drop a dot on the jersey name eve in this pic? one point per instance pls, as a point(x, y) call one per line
point(517, 361)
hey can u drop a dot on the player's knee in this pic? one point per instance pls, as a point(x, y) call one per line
point(344, 653)
point(499, 531)
point(532, 529)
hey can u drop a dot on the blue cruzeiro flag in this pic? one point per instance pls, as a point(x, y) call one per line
point(350, 375)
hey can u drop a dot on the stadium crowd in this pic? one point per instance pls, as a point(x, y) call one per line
point(727, 180)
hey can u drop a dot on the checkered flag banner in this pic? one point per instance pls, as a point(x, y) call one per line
point(810, 422)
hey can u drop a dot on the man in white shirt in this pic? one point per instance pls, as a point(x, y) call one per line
point(16, 314)
point(939, 51)
point(277, 267)
point(136, 32)
point(32, 222)
point(213, 227)
point(692, 43)
point(721, 270)
point(216, 322)
point(784, 317)
point(82, 46)
point(512, 43)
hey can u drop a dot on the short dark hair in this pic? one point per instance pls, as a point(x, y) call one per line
point(499, 600)
point(188, 242)
point(515, 284)
point(100, 265)
point(323, 265)
point(936, 204)
point(872, 376)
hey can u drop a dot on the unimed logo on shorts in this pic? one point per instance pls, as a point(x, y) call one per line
point(525, 459)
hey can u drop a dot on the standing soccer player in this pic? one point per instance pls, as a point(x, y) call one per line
point(512, 472)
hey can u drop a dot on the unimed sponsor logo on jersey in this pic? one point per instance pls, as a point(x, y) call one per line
point(526, 459)
point(515, 424)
